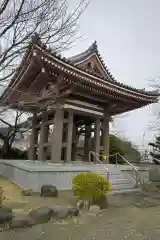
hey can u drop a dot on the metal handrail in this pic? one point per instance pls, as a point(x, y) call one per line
point(125, 160)
point(95, 155)
point(101, 155)
point(137, 173)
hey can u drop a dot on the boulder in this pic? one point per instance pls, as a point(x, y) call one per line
point(66, 213)
point(41, 215)
point(49, 191)
point(22, 221)
point(28, 192)
point(154, 174)
point(94, 209)
point(80, 204)
point(6, 214)
point(73, 212)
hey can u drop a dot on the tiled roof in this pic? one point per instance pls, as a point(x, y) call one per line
point(93, 49)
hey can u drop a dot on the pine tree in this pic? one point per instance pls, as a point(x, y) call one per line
point(156, 150)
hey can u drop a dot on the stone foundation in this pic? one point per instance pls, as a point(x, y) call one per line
point(34, 174)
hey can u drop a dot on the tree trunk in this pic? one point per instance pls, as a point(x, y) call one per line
point(5, 148)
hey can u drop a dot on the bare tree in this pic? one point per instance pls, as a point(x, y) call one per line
point(20, 19)
point(9, 129)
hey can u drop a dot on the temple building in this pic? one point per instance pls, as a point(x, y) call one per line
point(69, 98)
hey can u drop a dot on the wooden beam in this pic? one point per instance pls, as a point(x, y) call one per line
point(97, 99)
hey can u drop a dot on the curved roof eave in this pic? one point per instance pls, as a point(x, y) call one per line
point(68, 64)
point(36, 44)
point(93, 49)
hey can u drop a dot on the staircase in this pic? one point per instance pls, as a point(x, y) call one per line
point(121, 181)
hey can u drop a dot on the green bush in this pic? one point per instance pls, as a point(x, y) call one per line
point(90, 186)
point(15, 153)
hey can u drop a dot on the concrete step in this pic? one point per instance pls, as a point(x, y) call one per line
point(120, 181)
point(118, 176)
point(115, 176)
point(110, 172)
point(121, 191)
point(123, 186)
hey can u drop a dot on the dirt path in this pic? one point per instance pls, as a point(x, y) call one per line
point(122, 223)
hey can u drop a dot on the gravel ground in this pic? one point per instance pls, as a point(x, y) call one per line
point(123, 220)
point(114, 224)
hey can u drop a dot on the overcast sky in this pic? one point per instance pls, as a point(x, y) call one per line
point(128, 37)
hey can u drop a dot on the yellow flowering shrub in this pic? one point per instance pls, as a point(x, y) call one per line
point(90, 186)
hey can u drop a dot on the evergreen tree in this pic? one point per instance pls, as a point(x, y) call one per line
point(156, 150)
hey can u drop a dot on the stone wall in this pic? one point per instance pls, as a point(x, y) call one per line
point(32, 175)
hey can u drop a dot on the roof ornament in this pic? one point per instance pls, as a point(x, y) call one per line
point(94, 47)
point(35, 38)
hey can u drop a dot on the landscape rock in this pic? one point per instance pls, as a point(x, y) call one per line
point(6, 214)
point(66, 213)
point(28, 192)
point(41, 215)
point(49, 191)
point(80, 204)
point(21, 221)
point(94, 209)
point(146, 203)
point(73, 212)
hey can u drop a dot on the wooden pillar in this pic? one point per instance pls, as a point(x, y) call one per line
point(106, 134)
point(33, 139)
point(43, 137)
point(87, 143)
point(97, 137)
point(57, 135)
point(74, 142)
point(69, 136)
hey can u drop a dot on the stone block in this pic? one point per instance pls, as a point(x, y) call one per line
point(94, 209)
point(22, 221)
point(65, 213)
point(49, 191)
point(28, 192)
point(41, 215)
point(80, 204)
